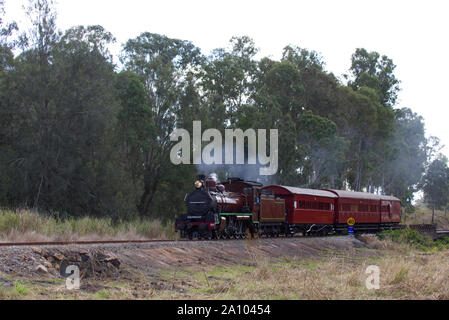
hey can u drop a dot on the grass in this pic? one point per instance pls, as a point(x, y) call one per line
point(21, 288)
point(413, 239)
point(411, 267)
point(27, 225)
point(104, 294)
point(412, 274)
point(423, 215)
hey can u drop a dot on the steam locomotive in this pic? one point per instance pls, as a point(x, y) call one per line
point(240, 209)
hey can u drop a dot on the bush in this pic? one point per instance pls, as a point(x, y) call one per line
point(414, 239)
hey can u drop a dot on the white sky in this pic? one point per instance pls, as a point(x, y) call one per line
point(410, 32)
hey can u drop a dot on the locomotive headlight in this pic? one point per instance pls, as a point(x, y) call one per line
point(198, 184)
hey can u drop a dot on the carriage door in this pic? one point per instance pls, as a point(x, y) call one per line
point(385, 211)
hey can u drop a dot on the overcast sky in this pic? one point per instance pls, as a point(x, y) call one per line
point(412, 33)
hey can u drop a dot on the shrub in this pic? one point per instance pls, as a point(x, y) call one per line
point(413, 238)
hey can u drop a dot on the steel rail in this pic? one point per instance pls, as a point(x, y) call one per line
point(441, 233)
point(68, 243)
point(89, 242)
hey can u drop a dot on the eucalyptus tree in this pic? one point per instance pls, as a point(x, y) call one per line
point(227, 81)
point(436, 184)
point(372, 70)
point(406, 166)
point(279, 104)
point(62, 107)
point(163, 66)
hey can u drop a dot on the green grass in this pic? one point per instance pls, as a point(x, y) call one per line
point(103, 294)
point(414, 239)
point(30, 225)
point(21, 288)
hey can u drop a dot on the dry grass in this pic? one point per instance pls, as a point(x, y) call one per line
point(423, 215)
point(409, 274)
point(27, 226)
point(341, 276)
point(405, 272)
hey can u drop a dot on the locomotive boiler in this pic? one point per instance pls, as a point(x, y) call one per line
point(213, 212)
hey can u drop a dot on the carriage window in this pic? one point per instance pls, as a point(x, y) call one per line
point(363, 208)
point(295, 204)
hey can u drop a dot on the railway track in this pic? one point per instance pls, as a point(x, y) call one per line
point(442, 233)
point(68, 243)
point(439, 234)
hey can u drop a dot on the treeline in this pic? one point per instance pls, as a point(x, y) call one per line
point(82, 136)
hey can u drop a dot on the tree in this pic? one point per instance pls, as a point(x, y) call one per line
point(78, 137)
point(163, 65)
point(324, 150)
point(359, 126)
point(405, 167)
point(302, 58)
point(279, 104)
point(436, 184)
point(61, 104)
point(227, 80)
point(6, 29)
point(371, 70)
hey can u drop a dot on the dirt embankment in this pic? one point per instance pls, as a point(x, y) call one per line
point(110, 260)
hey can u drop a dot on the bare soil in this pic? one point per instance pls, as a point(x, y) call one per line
point(154, 270)
point(110, 259)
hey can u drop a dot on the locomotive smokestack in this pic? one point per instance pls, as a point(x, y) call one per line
point(211, 182)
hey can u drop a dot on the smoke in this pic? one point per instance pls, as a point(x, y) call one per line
point(246, 171)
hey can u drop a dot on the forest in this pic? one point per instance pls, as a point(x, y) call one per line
point(82, 135)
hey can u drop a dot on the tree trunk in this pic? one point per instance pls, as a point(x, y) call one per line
point(433, 213)
point(358, 176)
point(405, 215)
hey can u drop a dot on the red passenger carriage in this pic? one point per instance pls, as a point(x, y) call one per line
point(308, 210)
